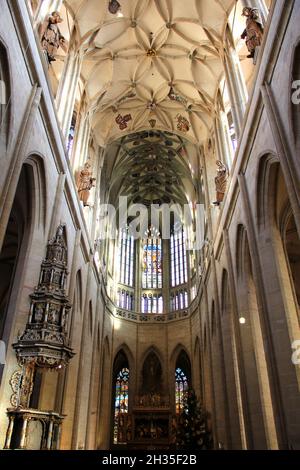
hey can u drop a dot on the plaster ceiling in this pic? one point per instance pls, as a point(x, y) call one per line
point(157, 67)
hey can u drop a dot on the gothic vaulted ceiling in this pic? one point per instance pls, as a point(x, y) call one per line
point(156, 67)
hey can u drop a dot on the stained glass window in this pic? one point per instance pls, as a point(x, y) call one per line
point(152, 303)
point(178, 258)
point(71, 135)
point(125, 299)
point(232, 132)
point(181, 389)
point(126, 258)
point(121, 405)
point(179, 300)
point(152, 264)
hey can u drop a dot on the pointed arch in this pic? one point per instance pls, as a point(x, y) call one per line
point(127, 351)
point(37, 163)
point(213, 322)
point(266, 173)
point(197, 369)
point(5, 96)
point(152, 373)
point(153, 349)
point(295, 77)
point(241, 236)
point(120, 393)
point(15, 249)
point(91, 318)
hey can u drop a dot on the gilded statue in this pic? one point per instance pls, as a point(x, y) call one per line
point(85, 183)
point(221, 182)
point(254, 30)
point(51, 37)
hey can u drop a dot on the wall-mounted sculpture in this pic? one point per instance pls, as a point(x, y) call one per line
point(254, 30)
point(85, 182)
point(221, 182)
point(51, 37)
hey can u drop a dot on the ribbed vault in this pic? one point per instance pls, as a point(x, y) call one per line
point(151, 167)
point(158, 66)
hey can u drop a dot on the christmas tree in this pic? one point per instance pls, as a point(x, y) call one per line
point(192, 431)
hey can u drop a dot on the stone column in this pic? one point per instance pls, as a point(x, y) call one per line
point(81, 145)
point(223, 139)
point(50, 434)
point(24, 433)
point(66, 93)
point(236, 87)
point(9, 432)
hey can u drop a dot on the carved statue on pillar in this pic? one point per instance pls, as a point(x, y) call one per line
point(221, 182)
point(254, 30)
point(85, 182)
point(51, 37)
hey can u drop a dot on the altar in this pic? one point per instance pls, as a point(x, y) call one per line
point(151, 423)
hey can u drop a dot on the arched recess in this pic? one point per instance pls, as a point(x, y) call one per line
point(282, 253)
point(197, 370)
point(152, 377)
point(283, 229)
point(261, 430)
point(121, 391)
point(91, 318)
point(5, 98)
point(103, 431)
point(14, 251)
point(291, 243)
point(37, 164)
point(183, 378)
point(296, 96)
point(218, 378)
point(233, 393)
point(265, 177)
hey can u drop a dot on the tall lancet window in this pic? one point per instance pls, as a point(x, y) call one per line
point(126, 257)
point(152, 261)
point(178, 258)
point(121, 405)
point(181, 389)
